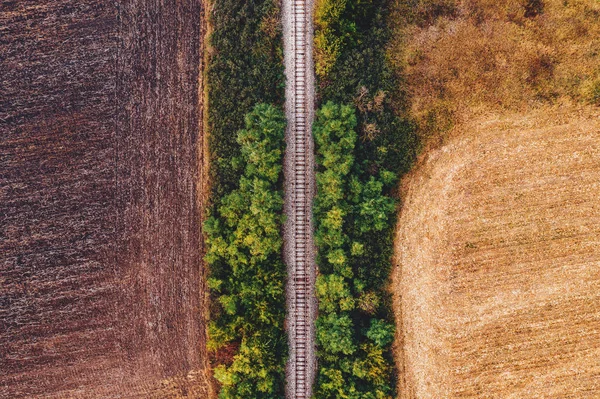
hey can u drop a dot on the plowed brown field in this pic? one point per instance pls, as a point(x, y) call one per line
point(101, 281)
point(498, 251)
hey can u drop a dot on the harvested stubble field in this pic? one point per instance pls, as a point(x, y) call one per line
point(101, 282)
point(498, 252)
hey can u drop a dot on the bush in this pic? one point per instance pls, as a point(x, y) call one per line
point(332, 34)
point(591, 91)
point(247, 273)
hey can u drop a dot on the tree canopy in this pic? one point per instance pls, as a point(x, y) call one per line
point(351, 211)
point(247, 274)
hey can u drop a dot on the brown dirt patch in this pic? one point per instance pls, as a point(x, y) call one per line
point(101, 292)
point(498, 251)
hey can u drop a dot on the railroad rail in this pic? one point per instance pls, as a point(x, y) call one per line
point(301, 206)
point(301, 175)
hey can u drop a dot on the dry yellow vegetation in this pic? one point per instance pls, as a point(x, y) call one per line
point(465, 57)
point(497, 288)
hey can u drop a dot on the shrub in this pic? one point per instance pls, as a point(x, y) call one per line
point(332, 34)
point(591, 91)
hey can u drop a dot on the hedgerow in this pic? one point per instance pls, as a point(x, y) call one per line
point(362, 149)
point(353, 331)
point(247, 274)
point(245, 68)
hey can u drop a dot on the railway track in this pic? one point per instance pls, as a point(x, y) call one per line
point(301, 205)
point(301, 174)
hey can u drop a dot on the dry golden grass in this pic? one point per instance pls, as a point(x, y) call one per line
point(464, 56)
point(497, 288)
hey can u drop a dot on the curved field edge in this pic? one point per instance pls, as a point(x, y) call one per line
point(496, 284)
point(474, 65)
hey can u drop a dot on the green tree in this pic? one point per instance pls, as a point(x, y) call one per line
point(335, 333)
point(374, 208)
point(381, 333)
point(333, 293)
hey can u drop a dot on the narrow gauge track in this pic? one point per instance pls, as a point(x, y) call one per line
point(300, 175)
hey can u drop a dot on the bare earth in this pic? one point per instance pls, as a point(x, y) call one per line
point(497, 285)
point(101, 279)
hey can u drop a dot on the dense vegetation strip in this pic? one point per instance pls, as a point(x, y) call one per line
point(245, 68)
point(353, 334)
point(362, 148)
point(247, 272)
point(351, 42)
point(246, 276)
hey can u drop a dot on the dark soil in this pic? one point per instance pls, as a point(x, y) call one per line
point(101, 278)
